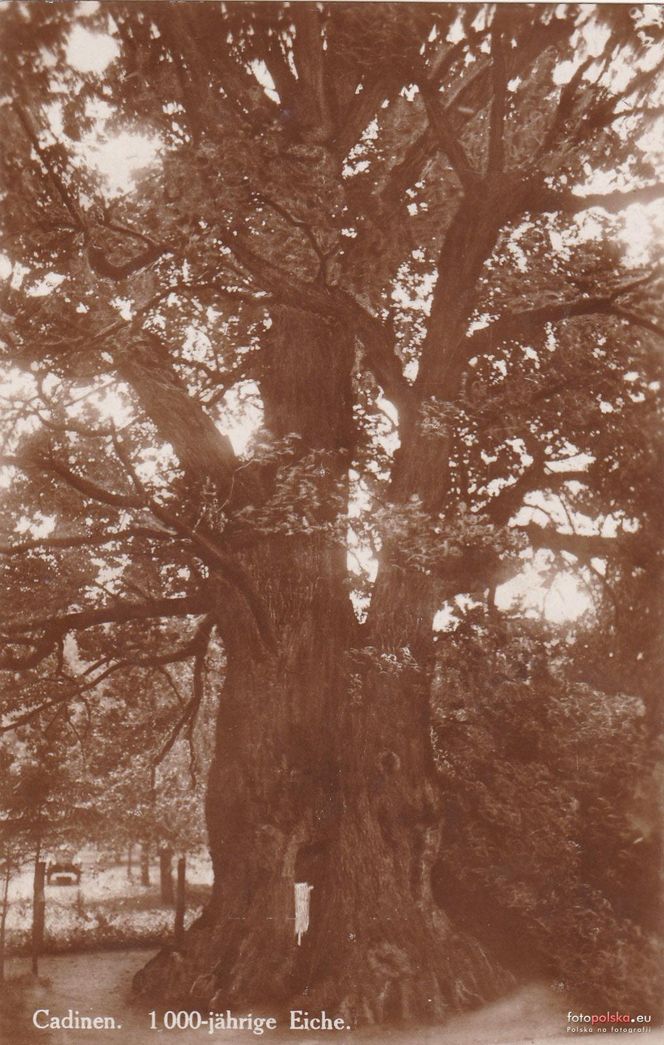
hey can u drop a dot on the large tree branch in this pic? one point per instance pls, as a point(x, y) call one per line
point(204, 452)
point(309, 55)
point(70, 204)
point(358, 115)
point(586, 546)
point(470, 100)
point(505, 504)
point(496, 151)
point(446, 137)
point(567, 202)
point(94, 540)
point(102, 265)
point(332, 304)
point(181, 653)
point(118, 613)
point(529, 323)
point(54, 627)
point(194, 647)
point(207, 548)
point(271, 277)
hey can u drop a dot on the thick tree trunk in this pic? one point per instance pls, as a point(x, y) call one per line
point(323, 771)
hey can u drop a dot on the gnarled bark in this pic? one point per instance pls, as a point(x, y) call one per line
point(323, 770)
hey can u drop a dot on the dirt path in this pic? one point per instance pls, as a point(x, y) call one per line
point(99, 984)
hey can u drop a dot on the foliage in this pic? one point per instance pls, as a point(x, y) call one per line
point(543, 811)
point(387, 249)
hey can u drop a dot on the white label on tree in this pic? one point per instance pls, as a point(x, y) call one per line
point(302, 890)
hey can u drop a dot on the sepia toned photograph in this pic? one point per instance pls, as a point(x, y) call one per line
point(331, 522)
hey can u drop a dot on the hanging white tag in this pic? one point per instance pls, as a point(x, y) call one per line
point(302, 891)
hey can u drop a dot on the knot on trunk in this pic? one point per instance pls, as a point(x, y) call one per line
point(388, 762)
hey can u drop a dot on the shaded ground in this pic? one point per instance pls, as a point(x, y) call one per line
point(99, 984)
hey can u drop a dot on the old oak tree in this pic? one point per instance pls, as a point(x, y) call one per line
point(282, 393)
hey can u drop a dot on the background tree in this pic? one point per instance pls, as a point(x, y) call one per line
point(394, 237)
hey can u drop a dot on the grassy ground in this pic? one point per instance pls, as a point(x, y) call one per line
point(107, 909)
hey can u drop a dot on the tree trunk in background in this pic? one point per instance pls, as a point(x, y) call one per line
point(38, 912)
point(130, 867)
point(145, 864)
point(323, 771)
point(180, 901)
point(166, 875)
point(3, 919)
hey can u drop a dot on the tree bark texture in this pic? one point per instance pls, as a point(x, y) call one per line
point(3, 918)
point(145, 864)
point(323, 770)
point(166, 875)
point(38, 912)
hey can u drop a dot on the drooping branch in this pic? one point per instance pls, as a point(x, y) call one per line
point(181, 653)
point(199, 648)
point(206, 545)
point(93, 491)
point(195, 647)
point(29, 716)
point(638, 320)
point(225, 565)
point(53, 628)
